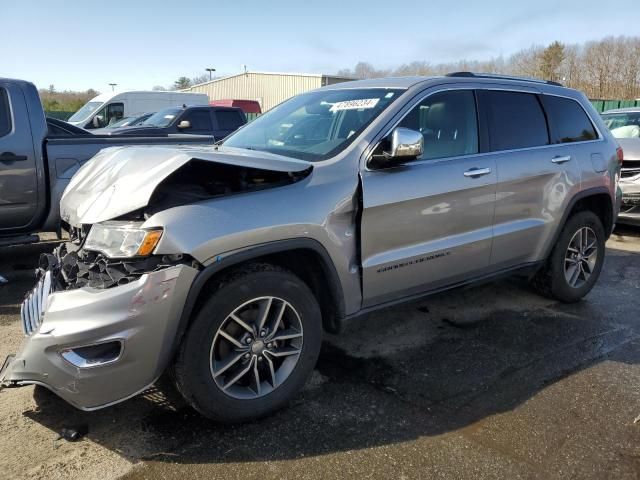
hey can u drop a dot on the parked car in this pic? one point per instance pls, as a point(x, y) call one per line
point(225, 263)
point(216, 121)
point(125, 122)
point(624, 124)
point(108, 108)
point(38, 156)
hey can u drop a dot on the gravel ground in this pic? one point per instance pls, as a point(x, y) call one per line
point(484, 382)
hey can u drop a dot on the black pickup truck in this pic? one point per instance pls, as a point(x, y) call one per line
point(36, 164)
point(196, 120)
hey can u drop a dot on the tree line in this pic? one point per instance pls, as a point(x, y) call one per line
point(66, 101)
point(184, 82)
point(603, 69)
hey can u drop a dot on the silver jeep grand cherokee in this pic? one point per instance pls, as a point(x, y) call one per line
point(225, 263)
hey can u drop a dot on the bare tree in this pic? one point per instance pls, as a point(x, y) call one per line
point(200, 79)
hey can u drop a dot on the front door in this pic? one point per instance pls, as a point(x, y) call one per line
point(428, 223)
point(18, 176)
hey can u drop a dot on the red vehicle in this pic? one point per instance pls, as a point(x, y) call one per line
point(251, 108)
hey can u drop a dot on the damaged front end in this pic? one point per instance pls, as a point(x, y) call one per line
point(73, 267)
point(101, 322)
point(98, 331)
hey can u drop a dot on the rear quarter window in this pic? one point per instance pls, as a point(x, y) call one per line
point(5, 113)
point(569, 122)
point(515, 120)
point(228, 120)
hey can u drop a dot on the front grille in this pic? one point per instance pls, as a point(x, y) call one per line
point(630, 169)
point(631, 199)
point(35, 304)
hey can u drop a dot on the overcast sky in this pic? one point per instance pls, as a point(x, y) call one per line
point(139, 43)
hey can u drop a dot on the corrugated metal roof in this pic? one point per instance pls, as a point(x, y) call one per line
point(295, 74)
point(268, 88)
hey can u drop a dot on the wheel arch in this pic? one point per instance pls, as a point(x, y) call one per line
point(598, 200)
point(304, 257)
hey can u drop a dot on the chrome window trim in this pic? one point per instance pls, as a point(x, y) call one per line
point(517, 88)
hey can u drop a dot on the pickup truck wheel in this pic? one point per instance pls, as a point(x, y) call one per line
point(575, 263)
point(251, 346)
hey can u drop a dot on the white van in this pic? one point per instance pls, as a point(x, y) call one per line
point(108, 108)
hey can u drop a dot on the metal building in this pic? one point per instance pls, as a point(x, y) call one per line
point(266, 87)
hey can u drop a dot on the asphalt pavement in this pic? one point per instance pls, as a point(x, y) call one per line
point(490, 381)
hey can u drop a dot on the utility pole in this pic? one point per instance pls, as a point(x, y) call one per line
point(113, 86)
point(210, 70)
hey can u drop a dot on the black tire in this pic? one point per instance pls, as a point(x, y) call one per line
point(192, 369)
point(550, 280)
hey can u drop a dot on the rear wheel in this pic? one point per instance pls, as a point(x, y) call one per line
point(575, 263)
point(251, 346)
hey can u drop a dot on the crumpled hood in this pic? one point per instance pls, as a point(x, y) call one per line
point(119, 180)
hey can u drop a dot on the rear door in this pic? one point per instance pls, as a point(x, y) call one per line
point(428, 223)
point(18, 175)
point(535, 176)
point(227, 122)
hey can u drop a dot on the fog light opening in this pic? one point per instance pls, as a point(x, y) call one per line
point(95, 355)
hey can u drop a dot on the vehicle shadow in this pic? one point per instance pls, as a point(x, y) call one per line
point(423, 369)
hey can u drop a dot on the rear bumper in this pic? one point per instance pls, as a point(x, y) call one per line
point(141, 316)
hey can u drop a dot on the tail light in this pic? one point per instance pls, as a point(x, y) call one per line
point(620, 154)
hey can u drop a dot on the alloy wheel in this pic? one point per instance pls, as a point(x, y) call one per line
point(256, 348)
point(580, 258)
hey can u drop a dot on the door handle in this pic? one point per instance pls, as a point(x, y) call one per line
point(561, 159)
point(8, 157)
point(477, 172)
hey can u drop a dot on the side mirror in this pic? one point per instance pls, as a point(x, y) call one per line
point(97, 121)
point(184, 124)
point(405, 144)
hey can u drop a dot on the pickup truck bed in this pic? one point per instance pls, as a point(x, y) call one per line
point(36, 168)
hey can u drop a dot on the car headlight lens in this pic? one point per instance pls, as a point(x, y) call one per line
point(122, 239)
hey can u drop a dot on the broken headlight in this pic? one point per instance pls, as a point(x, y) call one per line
point(122, 239)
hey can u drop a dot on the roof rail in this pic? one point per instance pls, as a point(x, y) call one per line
point(502, 77)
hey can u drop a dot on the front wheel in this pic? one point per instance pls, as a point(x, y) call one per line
point(252, 345)
point(575, 263)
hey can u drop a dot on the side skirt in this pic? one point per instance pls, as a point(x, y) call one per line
point(526, 270)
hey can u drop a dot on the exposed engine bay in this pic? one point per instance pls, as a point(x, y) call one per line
point(198, 180)
point(73, 267)
point(202, 180)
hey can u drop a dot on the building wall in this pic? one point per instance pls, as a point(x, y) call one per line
point(268, 89)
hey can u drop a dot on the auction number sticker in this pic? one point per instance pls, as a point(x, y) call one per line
point(361, 104)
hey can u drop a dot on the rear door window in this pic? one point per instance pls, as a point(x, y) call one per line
point(568, 120)
point(228, 119)
point(515, 120)
point(5, 113)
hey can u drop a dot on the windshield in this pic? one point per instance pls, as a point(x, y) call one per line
point(163, 118)
point(623, 125)
point(85, 111)
point(314, 126)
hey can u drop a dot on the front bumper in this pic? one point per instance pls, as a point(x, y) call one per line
point(630, 208)
point(142, 315)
